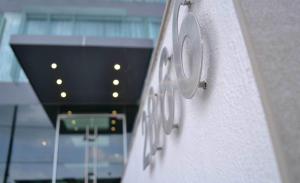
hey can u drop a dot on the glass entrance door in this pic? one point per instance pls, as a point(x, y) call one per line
point(89, 148)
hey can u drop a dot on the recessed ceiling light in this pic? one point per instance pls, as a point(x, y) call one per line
point(117, 67)
point(53, 65)
point(115, 94)
point(114, 112)
point(44, 143)
point(113, 129)
point(63, 94)
point(59, 81)
point(69, 112)
point(116, 82)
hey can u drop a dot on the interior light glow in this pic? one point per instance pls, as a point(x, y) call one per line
point(63, 94)
point(69, 112)
point(53, 65)
point(115, 94)
point(117, 67)
point(113, 129)
point(59, 81)
point(74, 122)
point(113, 122)
point(116, 82)
point(44, 143)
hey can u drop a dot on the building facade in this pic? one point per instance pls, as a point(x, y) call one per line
point(27, 122)
point(99, 91)
point(224, 80)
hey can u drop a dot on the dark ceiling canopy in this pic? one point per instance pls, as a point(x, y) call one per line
point(86, 67)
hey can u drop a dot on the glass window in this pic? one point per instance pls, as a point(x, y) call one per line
point(6, 117)
point(61, 25)
point(86, 147)
point(9, 67)
point(154, 28)
point(32, 152)
point(2, 24)
point(88, 25)
point(36, 25)
point(113, 28)
point(2, 169)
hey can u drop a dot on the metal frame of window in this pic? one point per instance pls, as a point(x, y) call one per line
point(2, 25)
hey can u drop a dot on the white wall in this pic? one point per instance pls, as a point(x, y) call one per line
point(273, 30)
point(224, 137)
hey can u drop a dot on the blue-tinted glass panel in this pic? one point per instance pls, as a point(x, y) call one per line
point(101, 156)
point(9, 67)
point(33, 115)
point(72, 156)
point(61, 25)
point(4, 140)
point(36, 25)
point(6, 116)
point(29, 147)
point(31, 171)
point(2, 169)
point(88, 25)
point(2, 24)
point(33, 145)
point(154, 28)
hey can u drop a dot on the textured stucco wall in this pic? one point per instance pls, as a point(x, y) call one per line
point(272, 28)
point(224, 137)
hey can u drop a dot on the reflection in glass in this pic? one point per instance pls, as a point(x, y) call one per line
point(89, 149)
